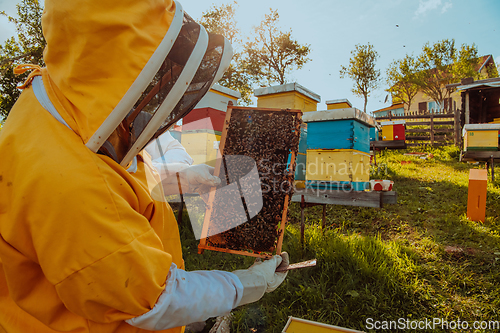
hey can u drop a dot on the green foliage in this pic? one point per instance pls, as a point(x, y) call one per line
point(361, 70)
point(272, 54)
point(221, 20)
point(26, 47)
point(492, 71)
point(442, 63)
point(400, 78)
point(267, 59)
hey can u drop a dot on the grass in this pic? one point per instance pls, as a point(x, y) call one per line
point(421, 258)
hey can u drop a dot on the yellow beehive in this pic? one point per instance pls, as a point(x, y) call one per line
point(201, 145)
point(343, 165)
point(338, 104)
point(287, 96)
point(298, 325)
point(387, 133)
point(481, 136)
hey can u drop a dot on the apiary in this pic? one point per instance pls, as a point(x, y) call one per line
point(202, 145)
point(290, 95)
point(259, 148)
point(481, 137)
point(393, 130)
point(339, 129)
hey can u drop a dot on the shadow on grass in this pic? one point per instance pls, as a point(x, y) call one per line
point(418, 259)
point(357, 277)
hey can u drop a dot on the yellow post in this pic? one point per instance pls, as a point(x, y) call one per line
point(476, 202)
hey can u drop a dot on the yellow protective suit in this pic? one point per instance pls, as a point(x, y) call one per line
point(83, 245)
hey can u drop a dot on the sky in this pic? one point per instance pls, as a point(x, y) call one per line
point(332, 28)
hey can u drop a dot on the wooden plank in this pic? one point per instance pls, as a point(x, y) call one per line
point(426, 130)
point(432, 130)
point(428, 123)
point(480, 155)
point(287, 198)
point(211, 196)
point(436, 144)
point(396, 144)
point(425, 116)
point(328, 197)
point(390, 198)
point(429, 138)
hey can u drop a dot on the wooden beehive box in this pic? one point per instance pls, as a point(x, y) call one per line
point(481, 137)
point(339, 129)
point(290, 95)
point(201, 145)
point(373, 134)
point(393, 130)
point(338, 169)
point(298, 325)
point(269, 138)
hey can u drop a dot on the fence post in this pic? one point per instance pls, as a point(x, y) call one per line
point(456, 124)
point(432, 129)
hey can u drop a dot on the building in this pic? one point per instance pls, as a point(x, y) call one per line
point(423, 104)
point(395, 110)
point(479, 100)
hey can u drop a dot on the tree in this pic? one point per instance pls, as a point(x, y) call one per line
point(361, 70)
point(492, 71)
point(26, 48)
point(273, 54)
point(441, 64)
point(221, 20)
point(401, 80)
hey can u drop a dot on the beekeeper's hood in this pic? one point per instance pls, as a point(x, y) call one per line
point(121, 72)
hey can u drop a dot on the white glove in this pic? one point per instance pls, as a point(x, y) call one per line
point(261, 277)
point(200, 174)
point(193, 178)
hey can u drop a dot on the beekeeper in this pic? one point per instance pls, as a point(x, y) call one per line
point(84, 247)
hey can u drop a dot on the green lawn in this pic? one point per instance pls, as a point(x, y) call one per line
point(420, 259)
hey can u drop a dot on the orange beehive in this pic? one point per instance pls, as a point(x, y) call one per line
point(476, 202)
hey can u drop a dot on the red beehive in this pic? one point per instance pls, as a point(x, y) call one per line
point(204, 118)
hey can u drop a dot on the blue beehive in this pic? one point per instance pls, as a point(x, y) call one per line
point(373, 134)
point(300, 169)
point(339, 129)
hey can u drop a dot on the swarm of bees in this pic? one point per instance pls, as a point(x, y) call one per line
point(270, 138)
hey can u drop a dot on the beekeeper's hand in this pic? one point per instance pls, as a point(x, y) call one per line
point(198, 175)
point(189, 178)
point(262, 277)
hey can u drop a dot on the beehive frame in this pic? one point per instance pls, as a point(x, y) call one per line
point(206, 242)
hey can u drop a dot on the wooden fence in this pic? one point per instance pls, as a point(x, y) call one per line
point(437, 128)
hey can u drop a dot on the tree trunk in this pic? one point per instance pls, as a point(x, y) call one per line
point(366, 101)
